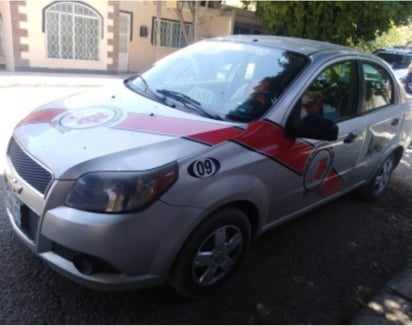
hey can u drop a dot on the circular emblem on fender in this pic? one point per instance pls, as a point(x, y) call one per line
point(317, 169)
point(204, 168)
point(88, 117)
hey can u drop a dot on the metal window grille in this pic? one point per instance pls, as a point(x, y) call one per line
point(170, 33)
point(1, 37)
point(72, 31)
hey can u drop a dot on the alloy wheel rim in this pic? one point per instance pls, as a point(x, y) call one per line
point(217, 255)
point(382, 179)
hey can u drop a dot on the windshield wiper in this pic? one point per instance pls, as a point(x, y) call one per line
point(187, 101)
point(146, 88)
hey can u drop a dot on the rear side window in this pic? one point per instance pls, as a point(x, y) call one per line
point(377, 87)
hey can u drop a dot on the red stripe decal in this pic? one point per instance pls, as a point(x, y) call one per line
point(217, 136)
point(331, 185)
point(45, 115)
point(262, 136)
point(209, 133)
point(270, 140)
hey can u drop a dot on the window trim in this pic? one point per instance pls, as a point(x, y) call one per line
point(288, 117)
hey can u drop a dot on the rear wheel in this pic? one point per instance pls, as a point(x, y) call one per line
point(211, 254)
point(376, 187)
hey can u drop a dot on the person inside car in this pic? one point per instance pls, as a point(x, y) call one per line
point(261, 98)
point(407, 80)
point(312, 104)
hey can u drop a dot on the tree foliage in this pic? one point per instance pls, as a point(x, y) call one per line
point(396, 35)
point(342, 22)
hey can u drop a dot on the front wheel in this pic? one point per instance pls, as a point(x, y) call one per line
point(212, 253)
point(379, 182)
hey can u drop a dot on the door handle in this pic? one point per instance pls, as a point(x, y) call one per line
point(395, 122)
point(350, 138)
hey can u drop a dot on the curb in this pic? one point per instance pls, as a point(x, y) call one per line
point(393, 305)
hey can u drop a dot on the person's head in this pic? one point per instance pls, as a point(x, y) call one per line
point(312, 102)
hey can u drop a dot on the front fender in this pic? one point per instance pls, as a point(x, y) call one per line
point(212, 195)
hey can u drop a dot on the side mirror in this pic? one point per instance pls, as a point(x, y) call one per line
point(316, 127)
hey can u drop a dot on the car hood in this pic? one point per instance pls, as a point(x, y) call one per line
point(107, 130)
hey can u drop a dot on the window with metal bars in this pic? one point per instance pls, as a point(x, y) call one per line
point(73, 31)
point(171, 34)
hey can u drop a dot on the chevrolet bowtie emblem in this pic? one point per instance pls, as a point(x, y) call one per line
point(14, 184)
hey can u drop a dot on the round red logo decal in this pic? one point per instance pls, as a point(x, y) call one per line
point(317, 169)
point(88, 118)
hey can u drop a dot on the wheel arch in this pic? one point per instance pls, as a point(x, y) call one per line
point(375, 187)
point(251, 211)
point(397, 154)
point(247, 207)
point(187, 270)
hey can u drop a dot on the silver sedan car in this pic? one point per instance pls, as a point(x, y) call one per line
point(168, 176)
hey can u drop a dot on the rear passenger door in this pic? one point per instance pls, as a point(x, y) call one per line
point(383, 118)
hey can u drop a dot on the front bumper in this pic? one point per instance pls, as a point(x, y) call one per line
point(131, 250)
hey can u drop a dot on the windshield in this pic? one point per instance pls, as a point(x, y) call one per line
point(230, 81)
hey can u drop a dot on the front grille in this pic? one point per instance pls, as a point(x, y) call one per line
point(33, 173)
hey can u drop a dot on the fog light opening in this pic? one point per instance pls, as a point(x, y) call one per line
point(83, 264)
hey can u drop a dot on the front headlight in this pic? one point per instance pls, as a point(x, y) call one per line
point(120, 192)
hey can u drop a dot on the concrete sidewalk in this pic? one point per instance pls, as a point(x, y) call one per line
point(45, 79)
point(393, 305)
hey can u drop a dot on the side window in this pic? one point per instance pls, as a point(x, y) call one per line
point(377, 87)
point(334, 93)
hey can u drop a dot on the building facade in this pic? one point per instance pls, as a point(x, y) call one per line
point(107, 36)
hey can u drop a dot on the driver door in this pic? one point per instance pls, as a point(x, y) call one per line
point(330, 166)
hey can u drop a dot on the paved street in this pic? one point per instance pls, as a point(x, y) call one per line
point(319, 269)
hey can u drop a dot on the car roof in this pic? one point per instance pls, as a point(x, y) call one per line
point(293, 44)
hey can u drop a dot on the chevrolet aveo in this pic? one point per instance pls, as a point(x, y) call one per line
point(168, 177)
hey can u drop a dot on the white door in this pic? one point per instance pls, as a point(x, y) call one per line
point(124, 41)
point(1, 39)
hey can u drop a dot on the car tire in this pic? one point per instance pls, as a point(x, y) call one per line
point(211, 254)
point(377, 186)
